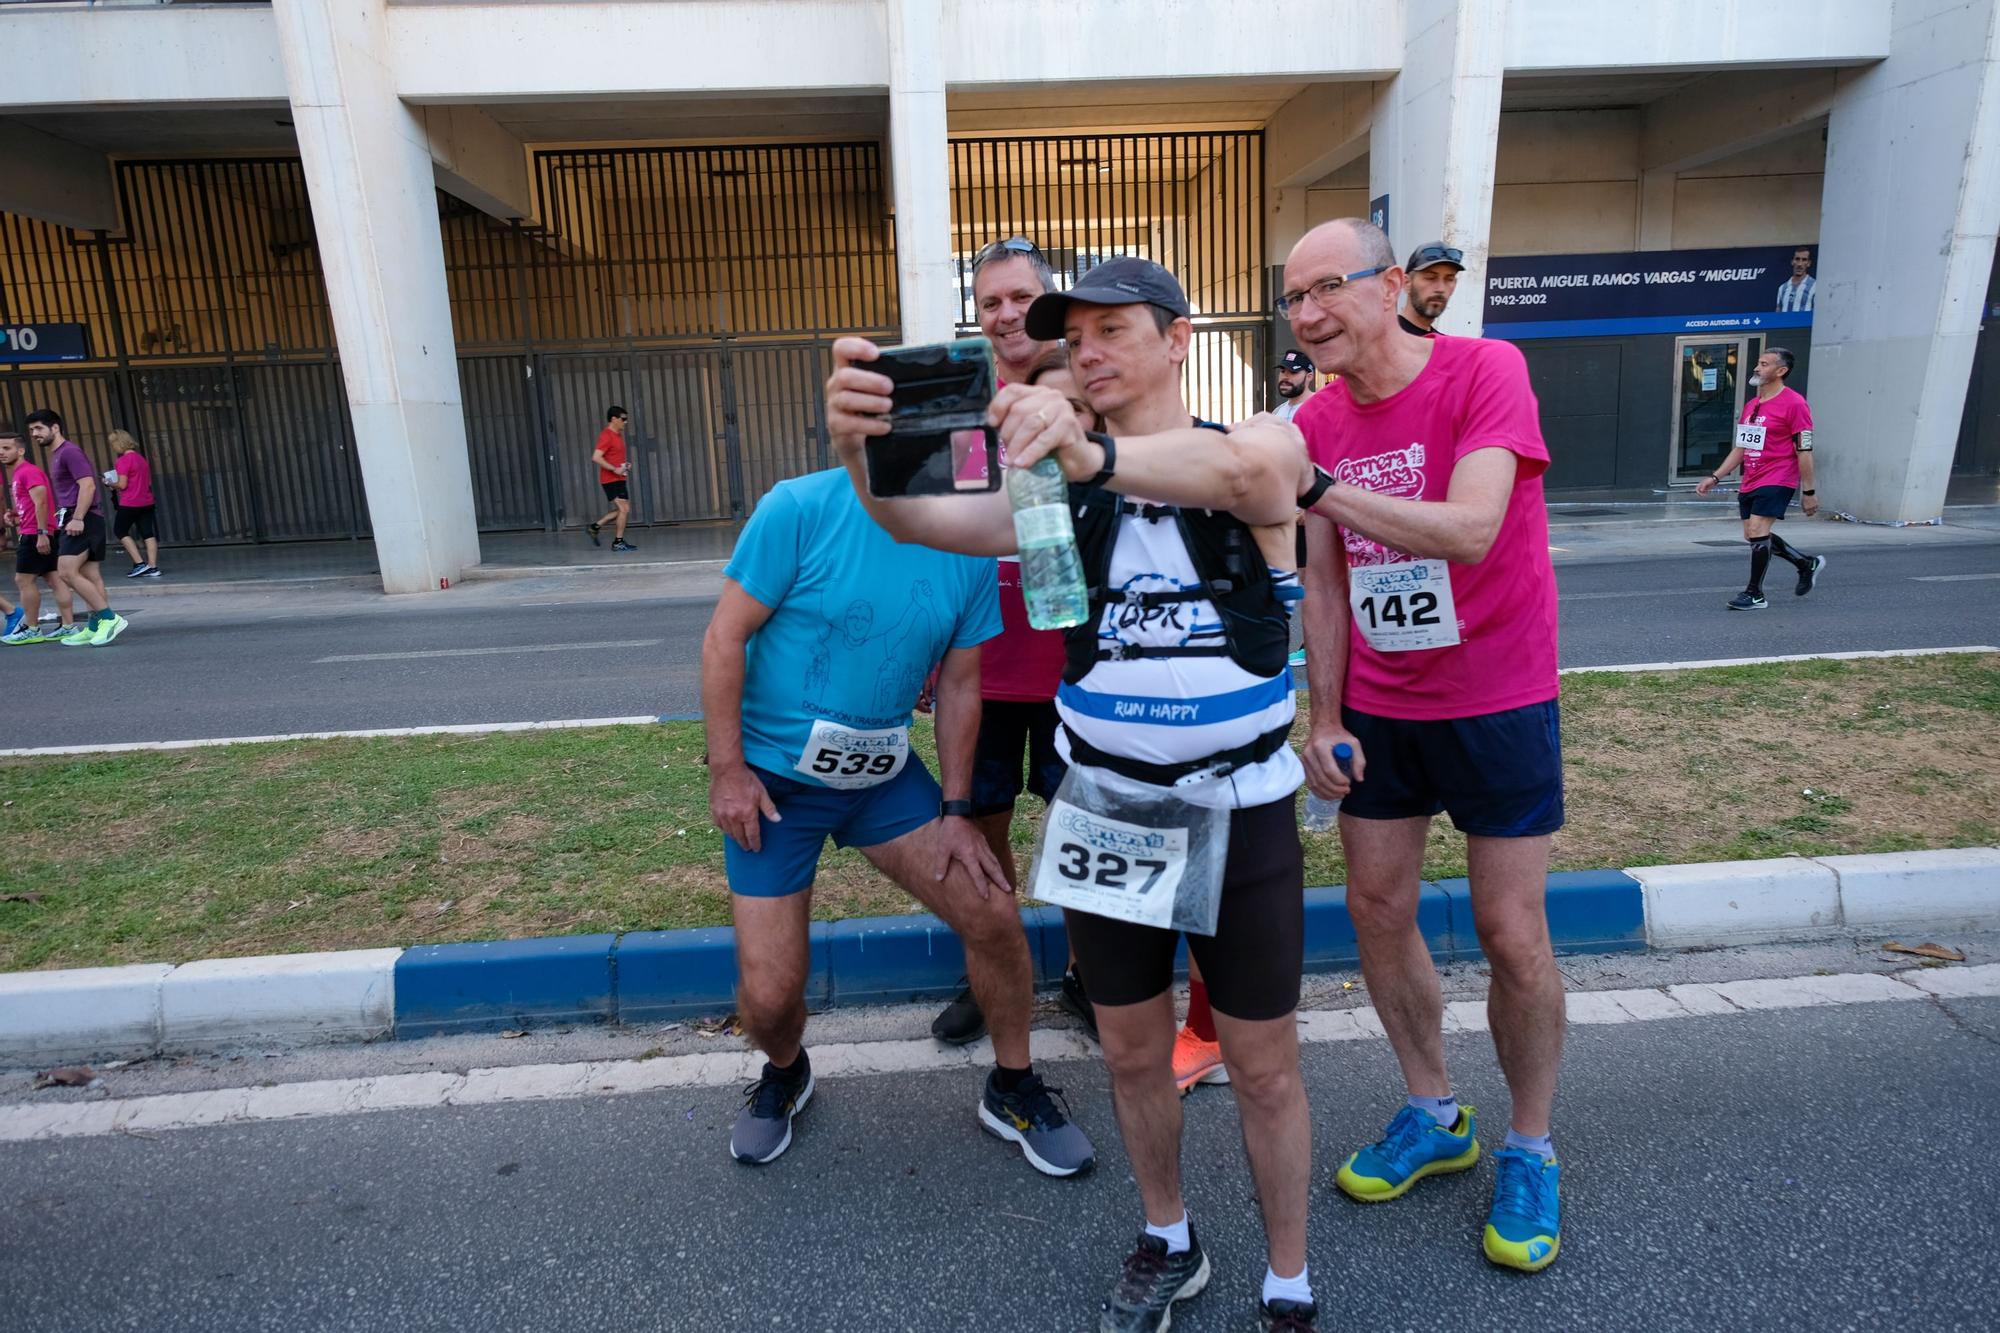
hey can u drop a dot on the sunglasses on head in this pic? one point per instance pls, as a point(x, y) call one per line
point(1013, 245)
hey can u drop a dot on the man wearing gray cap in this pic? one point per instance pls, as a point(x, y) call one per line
point(1433, 274)
point(1176, 705)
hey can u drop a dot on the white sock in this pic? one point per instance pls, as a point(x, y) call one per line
point(1444, 1110)
point(1176, 1236)
point(1288, 1288)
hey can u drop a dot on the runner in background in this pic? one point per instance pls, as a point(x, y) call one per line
point(1774, 443)
point(130, 478)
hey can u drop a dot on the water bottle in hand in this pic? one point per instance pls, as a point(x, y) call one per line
point(1320, 815)
point(1051, 571)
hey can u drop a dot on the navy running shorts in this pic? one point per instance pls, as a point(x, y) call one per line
point(1765, 502)
point(1010, 730)
point(1498, 775)
point(811, 813)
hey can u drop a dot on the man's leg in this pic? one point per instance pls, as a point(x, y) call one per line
point(153, 552)
point(773, 958)
point(623, 508)
point(1138, 1042)
point(1385, 860)
point(31, 598)
point(1757, 531)
point(997, 828)
point(77, 577)
point(1263, 1059)
point(131, 549)
point(1524, 1005)
point(996, 948)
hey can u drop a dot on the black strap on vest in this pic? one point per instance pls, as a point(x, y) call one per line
point(1220, 764)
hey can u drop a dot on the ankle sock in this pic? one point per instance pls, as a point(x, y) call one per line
point(1176, 1236)
point(1444, 1110)
point(1200, 1019)
point(1010, 1080)
point(792, 1070)
point(1542, 1145)
point(1288, 1288)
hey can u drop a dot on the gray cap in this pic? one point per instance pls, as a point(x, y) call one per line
point(1122, 281)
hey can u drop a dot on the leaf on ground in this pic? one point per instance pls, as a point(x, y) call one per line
point(1937, 951)
point(22, 897)
point(512, 1033)
point(65, 1076)
point(732, 1026)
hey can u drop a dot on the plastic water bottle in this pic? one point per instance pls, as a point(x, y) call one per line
point(1051, 570)
point(1320, 815)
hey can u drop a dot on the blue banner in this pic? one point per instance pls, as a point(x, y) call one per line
point(1651, 291)
point(24, 344)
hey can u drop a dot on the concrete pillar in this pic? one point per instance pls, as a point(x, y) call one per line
point(1656, 209)
point(1907, 227)
point(367, 164)
point(1435, 135)
point(920, 170)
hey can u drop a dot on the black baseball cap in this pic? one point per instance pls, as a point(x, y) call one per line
point(1295, 360)
point(1122, 281)
point(1433, 254)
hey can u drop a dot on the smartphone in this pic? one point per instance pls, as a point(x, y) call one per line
point(938, 441)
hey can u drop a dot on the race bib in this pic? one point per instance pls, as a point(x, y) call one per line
point(1403, 607)
point(1107, 867)
point(844, 758)
point(1750, 439)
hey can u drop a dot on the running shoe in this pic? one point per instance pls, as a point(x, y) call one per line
point(960, 1023)
point(764, 1126)
point(153, 572)
point(1414, 1146)
point(1151, 1282)
point(139, 571)
point(1288, 1316)
point(1297, 659)
point(1196, 1061)
point(1524, 1230)
point(1035, 1116)
point(593, 530)
point(29, 634)
point(82, 635)
point(1076, 1003)
point(108, 629)
point(1748, 601)
point(622, 545)
point(14, 621)
point(1809, 576)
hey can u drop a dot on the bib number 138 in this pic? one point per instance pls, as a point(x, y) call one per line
point(1404, 606)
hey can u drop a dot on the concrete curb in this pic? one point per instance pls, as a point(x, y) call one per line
point(652, 976)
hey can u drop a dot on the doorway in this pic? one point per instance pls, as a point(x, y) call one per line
point(1710, 375)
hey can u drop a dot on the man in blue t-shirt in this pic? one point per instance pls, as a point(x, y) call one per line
point(819, 646)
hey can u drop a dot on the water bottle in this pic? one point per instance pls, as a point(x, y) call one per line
point(1051, 571)
point(1320, 815)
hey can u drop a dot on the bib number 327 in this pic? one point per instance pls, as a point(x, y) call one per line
point(844, 758)
point(1109, 867)
point(1404, 606)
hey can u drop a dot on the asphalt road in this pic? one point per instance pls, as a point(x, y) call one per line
point(191, 667)
point(1810, 1169)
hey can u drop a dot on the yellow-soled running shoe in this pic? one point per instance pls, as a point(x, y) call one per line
point(1524, 1230)
point(1414, 1146)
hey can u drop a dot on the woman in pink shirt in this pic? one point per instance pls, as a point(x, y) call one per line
point(131, 478)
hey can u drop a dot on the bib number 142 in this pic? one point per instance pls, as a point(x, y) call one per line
point(1420, 609)
point(1404, 606)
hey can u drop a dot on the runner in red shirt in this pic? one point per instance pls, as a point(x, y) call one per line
point(612, 474)
point(1774, 444)
point(1431, 650)
point(1019, 671)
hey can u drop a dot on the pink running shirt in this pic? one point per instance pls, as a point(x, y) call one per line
point(1473, 394)
point(26, 478)
point(138, 475)
point(1784, 417)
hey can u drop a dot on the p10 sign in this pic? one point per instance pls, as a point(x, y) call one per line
point(21, 344)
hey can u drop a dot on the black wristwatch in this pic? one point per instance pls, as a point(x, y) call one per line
point(1322, 479)
point(1110, 447)
point(959, 809)
point(1808, 492)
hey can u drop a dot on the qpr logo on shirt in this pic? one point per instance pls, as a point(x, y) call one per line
point(1398, 472)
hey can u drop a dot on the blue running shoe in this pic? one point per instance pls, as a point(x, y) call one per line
point(1414, 1146)
point(1524, 1230)
point(14, 619)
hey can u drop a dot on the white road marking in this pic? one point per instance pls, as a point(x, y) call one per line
point(1950, 578)
point(27, 1121)
point(456, 729)
point(1788, 657)
point(488, 652)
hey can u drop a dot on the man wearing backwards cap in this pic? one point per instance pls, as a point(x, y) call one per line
point(1176, 683)
point(1433, 274)
point(1295, 376)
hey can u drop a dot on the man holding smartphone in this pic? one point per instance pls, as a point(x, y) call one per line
point(814, 659)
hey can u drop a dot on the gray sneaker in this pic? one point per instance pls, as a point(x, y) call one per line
point(1035, 1116)
point(764, 1127)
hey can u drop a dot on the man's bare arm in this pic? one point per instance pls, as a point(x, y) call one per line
point(1460, 528)
point(958, 709)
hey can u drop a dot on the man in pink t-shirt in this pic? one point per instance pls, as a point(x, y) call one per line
point(1774, 440)
point(32, 501)
point(1431, 652)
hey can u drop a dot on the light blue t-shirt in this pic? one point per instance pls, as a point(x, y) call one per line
point(857, 621)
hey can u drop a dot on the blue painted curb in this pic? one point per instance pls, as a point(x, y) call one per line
point(652, 976)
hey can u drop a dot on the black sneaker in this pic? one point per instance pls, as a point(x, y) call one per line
point(1809, 575)
point(1076, 1003)
point(139, 571)
point(1152, 1281)
point(1287, 1316)
point(764, 1127)
point(1747, 601)
point(1035, 1116)
point(622, 545)
point(960, 1023)
point(593, 530)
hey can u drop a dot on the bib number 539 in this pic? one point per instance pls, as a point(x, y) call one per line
point(845, 758)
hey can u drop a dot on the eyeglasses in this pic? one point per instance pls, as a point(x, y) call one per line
point(1013, 245)
point(1437, 254)
point(1293, 304)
